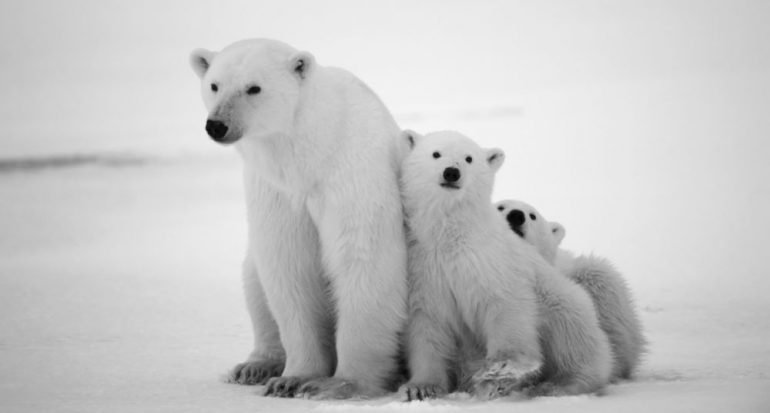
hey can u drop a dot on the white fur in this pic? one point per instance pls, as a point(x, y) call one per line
point(545, 236)
point(478, 291)
point(606, 286)
point(326, 263)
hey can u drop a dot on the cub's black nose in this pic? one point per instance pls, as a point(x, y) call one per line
point(516, 219)
point(216, 129)
point(451, 174)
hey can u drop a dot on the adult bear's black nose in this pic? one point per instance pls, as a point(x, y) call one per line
point(451, 174)
point(516, 219)
point(216, 129)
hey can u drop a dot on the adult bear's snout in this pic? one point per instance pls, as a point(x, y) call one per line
point(216, 129)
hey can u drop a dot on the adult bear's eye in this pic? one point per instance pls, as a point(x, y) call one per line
point(254, 90)
point(500, 208)
point(532, 217)
point(436, 155)
point(214, 87)
point(468, 159)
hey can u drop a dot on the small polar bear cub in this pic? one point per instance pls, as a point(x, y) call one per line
point(608, 289)
point(477, 289)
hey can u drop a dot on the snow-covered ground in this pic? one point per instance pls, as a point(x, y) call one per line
point(120, 291)
point(642, 126)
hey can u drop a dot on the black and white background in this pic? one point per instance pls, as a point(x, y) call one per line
point(642, 126)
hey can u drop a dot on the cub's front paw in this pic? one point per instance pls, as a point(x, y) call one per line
point(255, 372)
point(492, 389)
point(501, 377)
point(421, 391)
point(508, 370)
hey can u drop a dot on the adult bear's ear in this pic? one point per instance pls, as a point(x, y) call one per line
point(495, 158)
point(558, 232)
point(410, 138)
point(200, 60)
point(301, 64)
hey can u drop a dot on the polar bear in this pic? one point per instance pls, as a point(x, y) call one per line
point(605, 285)
point(473, 282)
point(325, 271)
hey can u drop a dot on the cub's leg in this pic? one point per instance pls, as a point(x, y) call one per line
point(513, 347)
point(430, 338)
point(615, 307)
point(577, 351)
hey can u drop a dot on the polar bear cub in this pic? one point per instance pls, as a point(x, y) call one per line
point(325, 282)
point(477, 290)
point(605, 285)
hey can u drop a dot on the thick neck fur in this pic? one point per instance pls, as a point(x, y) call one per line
point(291, 159)
point(438, 222)
point(330, 133)
point(297, 158)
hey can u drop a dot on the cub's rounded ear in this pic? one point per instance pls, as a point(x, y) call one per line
point(558, 232)
point(410, 138)
point(495, 158)
point(200, 60)
point(301, 64)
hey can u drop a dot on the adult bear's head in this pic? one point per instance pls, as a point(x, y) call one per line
point(251, 88)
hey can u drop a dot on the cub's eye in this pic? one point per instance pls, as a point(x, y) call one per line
point(468, 159)
point(532, 217)
point(254, 90)
point(500, 208)
point(436, 155)
point(214, 87)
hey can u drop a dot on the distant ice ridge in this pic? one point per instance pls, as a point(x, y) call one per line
point(34, 163)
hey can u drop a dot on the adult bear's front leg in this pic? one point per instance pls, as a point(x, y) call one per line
point(364, 254)
point(267, 358)
point(287, 257)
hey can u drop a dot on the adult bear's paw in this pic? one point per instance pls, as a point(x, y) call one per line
point(255, 372)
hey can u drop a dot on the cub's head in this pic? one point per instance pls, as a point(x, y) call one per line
point(251, 87)
point(446, 168)
point(530, 225)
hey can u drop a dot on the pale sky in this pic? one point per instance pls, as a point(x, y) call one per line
point(104, 75)
point(641, 125)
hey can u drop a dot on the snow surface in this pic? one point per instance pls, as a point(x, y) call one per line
point(120, 291)
point(642, 126)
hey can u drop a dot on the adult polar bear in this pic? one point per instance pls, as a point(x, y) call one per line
point(325, 272)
